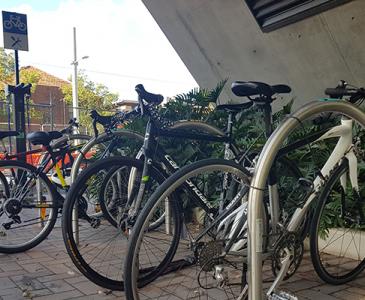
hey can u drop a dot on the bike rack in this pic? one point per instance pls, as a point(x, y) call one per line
point(258, 183)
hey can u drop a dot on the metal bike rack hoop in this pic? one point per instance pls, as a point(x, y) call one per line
point(258, 183)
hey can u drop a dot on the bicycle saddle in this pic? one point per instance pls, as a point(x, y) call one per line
point(4, 134)
point(149, 97)
point(42, 137)
point(254, 88)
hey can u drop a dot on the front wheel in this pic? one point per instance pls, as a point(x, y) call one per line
point(338, 230)
point(184, 258)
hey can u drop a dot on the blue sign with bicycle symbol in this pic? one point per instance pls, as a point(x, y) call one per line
point(15, 31)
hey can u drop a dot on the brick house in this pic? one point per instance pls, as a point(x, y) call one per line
point(48, 109)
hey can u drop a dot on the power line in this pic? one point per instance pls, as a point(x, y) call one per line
point(115, 74)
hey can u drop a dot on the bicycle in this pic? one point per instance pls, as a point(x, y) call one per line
point(96, 268)
point(161, 165)
point(350, 210)
point(210, 262)
point(29, 201)
point(115, 141)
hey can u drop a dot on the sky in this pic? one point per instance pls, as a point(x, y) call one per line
point(124, 44)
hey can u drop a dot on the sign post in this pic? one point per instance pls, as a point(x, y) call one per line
point(16, 37)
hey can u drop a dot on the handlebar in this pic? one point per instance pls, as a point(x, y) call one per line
point(72, 124)
point(109, 122)
point(149, 97)
point(343, 89)
point(145, 99)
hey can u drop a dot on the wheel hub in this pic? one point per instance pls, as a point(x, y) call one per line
point(12, 206)
point(209, 255)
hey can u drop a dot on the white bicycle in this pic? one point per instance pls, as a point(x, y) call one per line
point(337, 229)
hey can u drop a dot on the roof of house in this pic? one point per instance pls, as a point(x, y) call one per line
point(45, 79)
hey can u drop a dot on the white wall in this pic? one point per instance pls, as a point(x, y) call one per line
point(217, 39)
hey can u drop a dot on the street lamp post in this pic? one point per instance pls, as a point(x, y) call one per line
point(75, 114)
point(75, 99)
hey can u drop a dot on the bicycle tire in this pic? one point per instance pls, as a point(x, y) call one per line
point(52, 204)
point(133, 276)
point(93, 272)
point(100, 139)
point(327, 208)
point(5, 184)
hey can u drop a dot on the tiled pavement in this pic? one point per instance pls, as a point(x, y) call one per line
point(46, 272)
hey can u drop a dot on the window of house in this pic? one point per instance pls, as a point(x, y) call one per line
point(273, 14)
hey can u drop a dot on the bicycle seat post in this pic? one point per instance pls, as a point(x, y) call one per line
point(268, 119)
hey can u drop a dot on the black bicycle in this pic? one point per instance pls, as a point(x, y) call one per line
point(121, 186)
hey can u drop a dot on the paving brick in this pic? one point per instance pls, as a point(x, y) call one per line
point(356, 290)
point(58, 286)
point(11, 273)
point(13, 294)
point(53, 277)
point(37, 253)
point(330, 289)
point(6, 291)
point(10, 266)
point(346, 295)
point(310, 294)
point(301, 285)
point(34, 260)
point(98, 297)
point(57, 268)
point(76, 279)
point(87, 287)
point(31, 268)
point(6, 283)
point(27, 282)
point(61, 296)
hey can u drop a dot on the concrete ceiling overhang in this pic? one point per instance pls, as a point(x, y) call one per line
point(218, 39)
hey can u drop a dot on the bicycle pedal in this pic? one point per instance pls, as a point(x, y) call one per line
point(282, 296)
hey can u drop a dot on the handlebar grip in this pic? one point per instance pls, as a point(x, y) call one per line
point(149, 97)
point(335, 92)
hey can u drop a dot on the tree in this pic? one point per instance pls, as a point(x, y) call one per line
point(7, 65)
point(91, 96)
point(7, 75)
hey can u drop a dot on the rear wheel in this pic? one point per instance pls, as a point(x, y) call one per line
point(101, 249)
point(28, 207)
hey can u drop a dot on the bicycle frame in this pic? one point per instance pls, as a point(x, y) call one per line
point(343, 149)
point(151, 133)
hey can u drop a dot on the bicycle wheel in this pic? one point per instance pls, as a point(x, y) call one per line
point(126, 143)
point(186, 260)
point(336, 244)
point(100, 252)
point(28, 211)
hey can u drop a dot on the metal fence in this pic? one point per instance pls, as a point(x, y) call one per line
point(43, 117)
